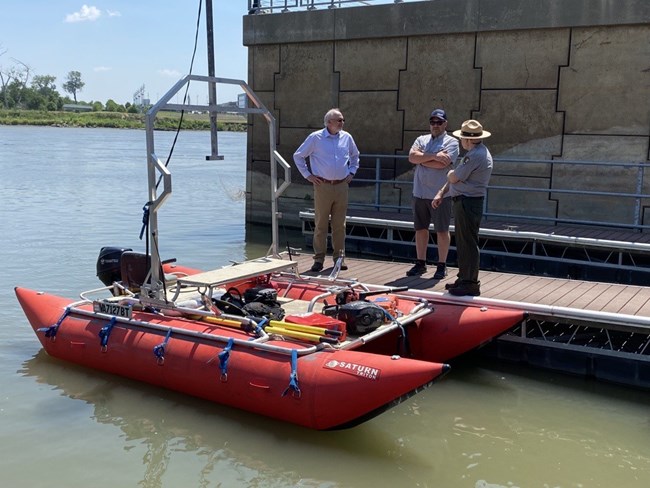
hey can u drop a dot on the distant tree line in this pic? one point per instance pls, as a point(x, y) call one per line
point(21, 89)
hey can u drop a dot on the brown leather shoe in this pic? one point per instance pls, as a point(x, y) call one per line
point(316, 267)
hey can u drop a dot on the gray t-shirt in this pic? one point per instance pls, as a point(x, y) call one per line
point(474, 172)
point(428, 181)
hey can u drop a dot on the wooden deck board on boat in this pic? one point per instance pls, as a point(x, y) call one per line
point(237, 271)
point(586, 295)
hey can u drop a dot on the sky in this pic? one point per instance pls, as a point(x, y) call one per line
point(120, 45)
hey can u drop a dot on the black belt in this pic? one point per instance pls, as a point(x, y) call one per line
point(463, 197)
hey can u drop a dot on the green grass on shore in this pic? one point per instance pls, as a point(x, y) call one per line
point(164, 120)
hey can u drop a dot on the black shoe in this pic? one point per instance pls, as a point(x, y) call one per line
point(417, 270)
point(441, 272)
point(344, 267)
point(463, 289)
point(455, 284)
point(316, 267)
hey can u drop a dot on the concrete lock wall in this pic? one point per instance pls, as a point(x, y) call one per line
point(551, 79)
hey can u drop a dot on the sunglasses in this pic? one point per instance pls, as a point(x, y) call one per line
point(436, 122)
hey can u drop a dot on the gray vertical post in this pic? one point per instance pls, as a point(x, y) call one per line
point(212, 86)
point(377, 183)
point(639, 190)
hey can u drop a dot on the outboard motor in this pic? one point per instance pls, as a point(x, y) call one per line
point(109, 264)
point(360, 316)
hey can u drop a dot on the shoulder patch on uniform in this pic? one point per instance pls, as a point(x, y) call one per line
point(465, 160)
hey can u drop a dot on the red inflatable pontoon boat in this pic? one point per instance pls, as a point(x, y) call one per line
point(313, 386)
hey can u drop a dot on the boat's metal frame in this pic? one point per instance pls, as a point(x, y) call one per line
point(157, 171)
point(199, 288)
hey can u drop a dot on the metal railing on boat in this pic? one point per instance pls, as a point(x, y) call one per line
point(420, 309)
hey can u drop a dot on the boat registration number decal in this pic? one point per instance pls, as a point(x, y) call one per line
point(353, 368)
point(115, 309)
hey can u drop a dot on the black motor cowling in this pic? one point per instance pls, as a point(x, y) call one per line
point(360, 316)
point(109, 264)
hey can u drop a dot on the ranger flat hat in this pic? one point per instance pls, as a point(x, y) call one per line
point(471, 129)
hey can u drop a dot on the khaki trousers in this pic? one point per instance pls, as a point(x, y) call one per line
point(330, 207)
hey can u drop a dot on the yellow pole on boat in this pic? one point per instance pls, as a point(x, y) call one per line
point(278, 323)
point(300, 335)
point(226, 322)
point(306, 328)
point(278, 327)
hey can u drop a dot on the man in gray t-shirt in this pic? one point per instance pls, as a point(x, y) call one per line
point(433, 155)
point(467, 186)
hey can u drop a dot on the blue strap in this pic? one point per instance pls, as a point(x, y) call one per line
point(53, 329)
point(389, 316)
point(260, 326)
point(224, 356)
point(402, 340)
point(105, 332)
point(159, 350)
point(293, 377)
point(394, 320)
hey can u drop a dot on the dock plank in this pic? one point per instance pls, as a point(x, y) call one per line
point(537, 291)
point(579, 289)
point(522, 289)
point(644, 311)
point(604, 299)
point(504, 286)
point(636, 303)
point(560, 290)
point(589, 296)
point(622, 298)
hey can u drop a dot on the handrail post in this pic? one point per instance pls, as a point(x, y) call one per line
point(377, 183)
point(212, 86)
point(637, 200)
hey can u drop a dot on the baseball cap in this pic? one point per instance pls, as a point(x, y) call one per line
point(438, 113)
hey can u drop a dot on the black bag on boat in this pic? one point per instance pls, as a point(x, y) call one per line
point(231, 302)
point(272, 311)
point(265, 295)
point(233, 296)
point(263, 302)
point(256, 302)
